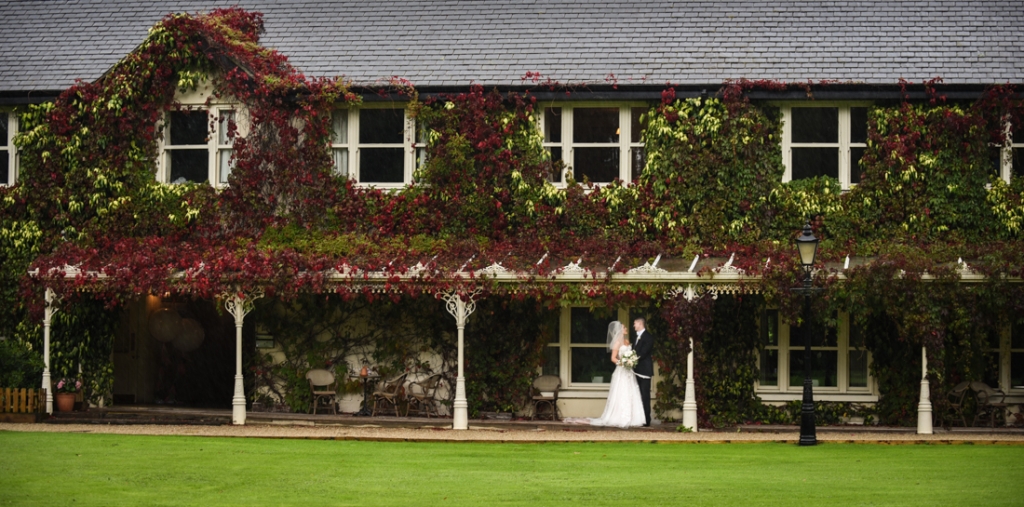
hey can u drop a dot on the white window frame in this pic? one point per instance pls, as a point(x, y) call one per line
point(784, 391)
point(9, 150)
point(355, 146)
point(1006, 162)
point(565, 346)
point(843, 143)
point(1004, 355)
point(625, 144)
point(213, 144)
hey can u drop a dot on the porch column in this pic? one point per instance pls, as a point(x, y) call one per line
point(51, 300)
point(460, 309)
point(924, 406)
point(239, 305)
point(690, 401)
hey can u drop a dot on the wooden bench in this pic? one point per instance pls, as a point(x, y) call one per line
point(20, 405)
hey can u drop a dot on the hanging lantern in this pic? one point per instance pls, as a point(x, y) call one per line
point(190, 337)
point(165, 324)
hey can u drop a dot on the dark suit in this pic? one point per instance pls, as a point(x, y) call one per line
point(644, 346)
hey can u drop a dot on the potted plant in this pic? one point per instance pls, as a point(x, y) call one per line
point(66, 391)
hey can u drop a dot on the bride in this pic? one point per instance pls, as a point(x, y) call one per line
point(623, 408)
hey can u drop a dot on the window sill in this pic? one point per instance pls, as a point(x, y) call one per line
point(864, 397)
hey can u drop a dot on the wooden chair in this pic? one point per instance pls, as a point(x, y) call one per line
point(389, 393)
point(955, 402)
point(991, 402)
point(546, 393)
point(422, 396)
point(324, 389)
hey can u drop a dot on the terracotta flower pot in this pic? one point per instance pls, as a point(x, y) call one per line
point(65, 402)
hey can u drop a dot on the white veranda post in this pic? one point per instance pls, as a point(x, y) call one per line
point(924, 406)
point(239, 305)
point(51, 301)
point(460, 309)
point(690, 400)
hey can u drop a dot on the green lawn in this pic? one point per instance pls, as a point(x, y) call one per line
point(87, 469)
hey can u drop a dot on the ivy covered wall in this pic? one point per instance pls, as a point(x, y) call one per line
point(87, 197)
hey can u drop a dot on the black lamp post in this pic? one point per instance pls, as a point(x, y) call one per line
point(807, 245)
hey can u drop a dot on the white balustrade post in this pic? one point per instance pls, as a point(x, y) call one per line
point(460, 309)
point(239, 305)
point(51, 301)
point(690, 400)
point(924, 406)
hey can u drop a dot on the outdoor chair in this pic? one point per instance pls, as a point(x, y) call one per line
point(422, 396)
point(955, 402)
point(389, 393)
point(991, 403)
point(546, 394)
point(324, 389)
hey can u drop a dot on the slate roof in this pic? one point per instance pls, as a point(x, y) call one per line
point(46, 45)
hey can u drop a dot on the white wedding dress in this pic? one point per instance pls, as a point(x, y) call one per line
point(623, 408)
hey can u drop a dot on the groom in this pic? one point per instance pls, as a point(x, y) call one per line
point(643, 345)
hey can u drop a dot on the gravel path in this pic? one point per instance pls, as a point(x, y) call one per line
point(483, 434)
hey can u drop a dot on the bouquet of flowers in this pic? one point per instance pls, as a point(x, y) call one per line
point(68, 385)
point(628, 360)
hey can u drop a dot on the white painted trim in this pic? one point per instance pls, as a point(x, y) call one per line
point(9, 150)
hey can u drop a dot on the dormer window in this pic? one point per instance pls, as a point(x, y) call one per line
point(596, 143)
point(7, 129)
point(373, 146)
point(198, 146)
point(824, 141)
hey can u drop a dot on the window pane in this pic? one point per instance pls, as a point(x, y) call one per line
point(591, 365)
point(992, 338)
point(5, 168)
point(225, 165)
point(381, 126)
point(3, 129)
point(815, 124)
point(637, 161)
point(858, 368)
point(856, 335)
point(599, 165)
point(858, 124)
point(1017, 336)
point(339, 127)
point(1018, 162)
point(341, 162)
point(586, 327)
point(1017, 369)
point(636, 129)
point(769, 367)
point(823, 368)
point(226, 119)
point(189, 128)
point(991, 373)
point(189, 166)
point(381, 165)
point(855, 169)
point(995, 161)
point(822, 336)
point(811, 162)
point(595, 125)
point(553, 125)
point(770, 328)
point(550, 365)
point(556, 155)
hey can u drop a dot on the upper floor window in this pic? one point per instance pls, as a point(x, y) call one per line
point(197, 146)
point(596, 143)
point(1008, 160)
point(8, 125)
point(373, 146)
point(824, 141)
point(839, 362)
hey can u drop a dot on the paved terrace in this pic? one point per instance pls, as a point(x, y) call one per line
point(216, 423)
